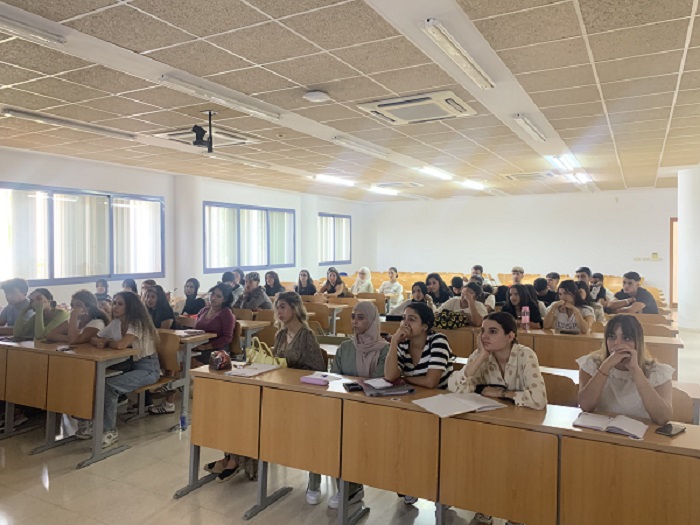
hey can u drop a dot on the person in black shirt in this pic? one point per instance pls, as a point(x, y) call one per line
point(272, 284)
point(437, 289)
point(305, 285)
point(193, 304)
point(633, 299)
point(544, 294)
point(553, 281)
point(518, 297)
point(457, 285)
point(159, 308)
point(598, 291)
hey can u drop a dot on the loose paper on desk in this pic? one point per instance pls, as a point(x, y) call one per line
point(447, 405)
point(379, 383)
point(616, 425)
point(188, 333)
point(250, 370)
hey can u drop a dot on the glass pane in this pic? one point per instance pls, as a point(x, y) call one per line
point(325, 239)
point(81, 235)
point(24, 234)
point(137, 236)
point(253, 237)
point(342, 239)
point(281, 237)
point(220, 237)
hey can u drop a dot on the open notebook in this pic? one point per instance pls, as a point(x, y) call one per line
point(447, 405)
point(250, 370)
point(616, 425)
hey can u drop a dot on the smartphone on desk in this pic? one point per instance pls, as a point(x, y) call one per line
point(352, 387)
point(670, 430)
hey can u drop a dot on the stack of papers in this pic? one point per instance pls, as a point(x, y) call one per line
point(616, 425)
point(250, 370)
point(320, 378)
point(447, 405)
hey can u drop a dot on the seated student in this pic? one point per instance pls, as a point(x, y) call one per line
point(362, 356)
point(392, 289)
point(334, 285)
point(106, 306)
point(254, 296)
point(437, 289)
point(622, 378)
point(17, 302)
point(217, 318)
point(272, 284)
point(102, 289)
point(487, 296)
point(456, 285)
point(570, 312)
point(419, 294)
point(159, 308)
point(131, 326)
point(501, 294)
point(86, 319)
point(553, 282)
point(363, 282)
point(544, 293)
point(533, 295)
point(585, 293)
point(583, 274)
point(46, 317)
point(478, 270)
point(467, 303)
point(145, 285)
point(305, 285)
point(517, 297)
point(238, 284)
point(518, 273)
point(129, 285)
point(598, 291)
point(193, 304)
point(633, 299)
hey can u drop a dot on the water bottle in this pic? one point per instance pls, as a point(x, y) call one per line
point(525, 317)
point(183, 422)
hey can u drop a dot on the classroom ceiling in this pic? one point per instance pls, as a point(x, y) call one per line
point(618, 82)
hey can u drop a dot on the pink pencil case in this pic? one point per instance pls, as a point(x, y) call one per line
point(315, 380)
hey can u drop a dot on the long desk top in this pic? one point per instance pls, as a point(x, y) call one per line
point(82, 351)
point(676, 342)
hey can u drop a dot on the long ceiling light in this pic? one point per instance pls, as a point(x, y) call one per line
point(55, 121)
point(529, 127)
point(436, 172)
point(330, 179)
point(445, 41)
point(198, 91)
point(383, 191)
point(359, 147)
point(472, 184)
point(564, 162)
point(23, 30)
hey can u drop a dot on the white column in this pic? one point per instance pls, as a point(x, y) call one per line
point(188, 235)
point(689, 248)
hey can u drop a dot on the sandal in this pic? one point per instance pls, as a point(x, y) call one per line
point(162, 409)
point(215, 467)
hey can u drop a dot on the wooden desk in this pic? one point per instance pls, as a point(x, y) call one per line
point(249, 329)
point(334, 308)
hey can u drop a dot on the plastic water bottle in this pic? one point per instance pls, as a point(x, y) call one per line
point(183, 422)
point(525, 317)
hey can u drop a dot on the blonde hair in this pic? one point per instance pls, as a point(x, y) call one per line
point(293, 299)
point(632, 328)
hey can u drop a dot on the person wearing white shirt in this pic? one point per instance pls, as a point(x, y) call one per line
point(570, 312)
point(419, 294)
point(468, 304)
point(392, 289)
point(363, 283)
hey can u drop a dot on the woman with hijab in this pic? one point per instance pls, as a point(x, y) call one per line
point(193, 304)
point(102, 290)
point(363, 283)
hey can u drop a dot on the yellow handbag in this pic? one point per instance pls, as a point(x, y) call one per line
point(259, 352)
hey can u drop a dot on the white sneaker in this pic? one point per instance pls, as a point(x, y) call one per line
point(481, 519)
point(410, 500)
point(109, 438)
point(313, 497)
point(334, 501)
point(84, 429)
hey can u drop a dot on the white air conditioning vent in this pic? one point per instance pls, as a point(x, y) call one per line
point(427, 107)
point(529, 177)
point(222, 137)
point(399, 185)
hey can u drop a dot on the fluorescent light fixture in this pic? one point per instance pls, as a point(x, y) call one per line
point(582, 177)
point(383, 191)
point(436, 172)
point(571, 177)
point(198, 91)
point(23, 30)
point(42, 118)
point(565, 162)
point(330, 179)
point(359, 147)
point(497, 193)
point(472, 184)
point(445, 41)
point(529, 127)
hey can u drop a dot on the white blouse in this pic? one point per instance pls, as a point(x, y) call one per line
point(620, 395)
point(362, 287)
point(388, 287)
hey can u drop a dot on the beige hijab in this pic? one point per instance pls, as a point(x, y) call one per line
point(368, 345)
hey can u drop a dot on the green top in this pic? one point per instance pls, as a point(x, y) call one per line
point(34, 326)
point(345, 362)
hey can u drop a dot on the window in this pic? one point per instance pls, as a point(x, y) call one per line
point(334, 239)
point(53, 236)
point(248, 237)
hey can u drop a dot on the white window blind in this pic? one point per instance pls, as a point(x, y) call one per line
point(220, 237)
point(281, 238)
point(253, 233)
point(334, 238)
point(137, 236)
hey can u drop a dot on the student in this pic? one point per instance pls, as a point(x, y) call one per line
point(273, 286)
point(583, 274)
point(362, 356)
point(102, 289)
point(633, 299)
point(544, 293)
point(456, 285)
point(477, 269)
point(193, 304)
point(533, 296)
point(129, 285)
point(86, 319)
point(106, 306)
point(622, 378)
point(468, 304)
point(305, 285)
point(437, 289)
point(46, 317)
point(517, 297)
point(585, 293)
point(419, 294)
point(363, 283)
point(254, 296)
point(488, 297)
point(598, 291)
point(553, 282)
point(392, 289)
point(570, 312)
point(17, 302)
point(159, 308)
point(145, 285)
point(238, 285)
point(217, 318)
point(518, 273)
point(334, 286)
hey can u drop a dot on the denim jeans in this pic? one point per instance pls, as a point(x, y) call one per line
point(145, 371)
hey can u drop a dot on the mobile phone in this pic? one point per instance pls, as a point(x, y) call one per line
point(670, 430)
point(352, 387)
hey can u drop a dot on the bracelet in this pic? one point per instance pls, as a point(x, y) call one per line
point(606, 375)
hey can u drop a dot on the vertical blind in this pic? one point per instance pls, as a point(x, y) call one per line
point(137, 236)
point(334, 238)
point(220, 238)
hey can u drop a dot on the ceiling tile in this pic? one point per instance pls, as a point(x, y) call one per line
point(574, 110)
point(163, 97)
point(38, 58)
point(667, 182)
point(53, 87)
point(199, 58)
point(621, 138)
point(640, 116)
point(604, 16)
point(105, 79)
point(341, 26)
point(130, 125)
point(394, 53)
point(639, 67)
point(549, 55)
point(312, 69)
point(22, 99)
point(476, 9)
point(640, 86)
point(11, 74)
point(252, 80)
point(353, 125)
point(557, 78)
point(660, 100)
point(690, 96)
point(222, 112)
point(73, 135)
point(218, 15)
point(244, 123)
point(81, 113)
point(25, 126)
point(280, 8)
point(378, 134)
point(634, 127)
point(695, 39)
point(426, 128)
point(62, 10)
point(290, 99)
point(325, 112)
point(563, 97)
point(357, 88)
point(414, 78)
point(687, 111)
point(265, 43)
point(546, 24)
point(690, 80)
point(579, 122)
point(692, 59)
point(477, 121)
point(170, 119)
point(579, 133)
point(645, 40)
point(130, 29)
point(280, 133)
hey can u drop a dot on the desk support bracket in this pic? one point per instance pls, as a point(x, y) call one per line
point(440, 513)
point(344, 516)
point(264, 500)
point(194, 481)
point(51, 441)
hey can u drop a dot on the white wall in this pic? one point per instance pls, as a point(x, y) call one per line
point(543, 233)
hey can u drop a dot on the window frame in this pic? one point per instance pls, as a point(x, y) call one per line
point(337, 216)
point(50, 225)
point(238, 208)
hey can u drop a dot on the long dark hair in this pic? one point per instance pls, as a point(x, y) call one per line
point(444, 290)
point(226, 291)
point(195, 283)
point(309, 280)
point(507, 322)
point(423, 288)
point(89, 299)
point(131, 284)
point(49, 296)
point(525, 299)
point(136, 315)
point(588, 299)
point(570, 286)
point(338, 280)
point(162, 304)
point(276, 284)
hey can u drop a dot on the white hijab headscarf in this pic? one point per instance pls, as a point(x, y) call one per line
point(362, 282)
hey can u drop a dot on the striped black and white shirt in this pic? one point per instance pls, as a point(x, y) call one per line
point(436, 356)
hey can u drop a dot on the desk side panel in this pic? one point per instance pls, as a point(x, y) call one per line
point(3, 372)
point(27, 378)
point(71, 386)
point(391, 448)
point(226, 416)
point(558, 352)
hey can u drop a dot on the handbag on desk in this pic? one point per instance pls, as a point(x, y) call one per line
point(259, 352)
point(220, 360)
